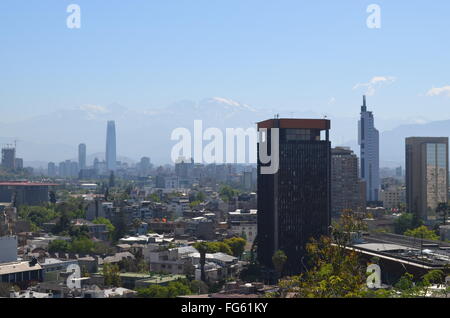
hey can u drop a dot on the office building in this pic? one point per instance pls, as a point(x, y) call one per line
point(18, 163)
point(426, 175)
point(294, 203)
point(368, 138)
point(111, 156)
point(82, 156)
point(25, 193)
point(344, 180)
point(9, 158)
point(51, 169)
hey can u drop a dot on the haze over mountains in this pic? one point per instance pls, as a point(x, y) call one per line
point(55, 136)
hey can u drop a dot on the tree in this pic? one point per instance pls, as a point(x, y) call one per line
point(198, 287)
point(58, 246)
point(215, 247)
point(348, 223)
point(237, 245)
point(111, 274)
point(109, 226)
point(227, 193)
point(334, 272)
point(422, 232)
point(172, 290)
point(279, 258)
point(405, 222)
point(407, 288)
point(77, 232)
point(37, 215)
point(202, 248)
point(82, 245)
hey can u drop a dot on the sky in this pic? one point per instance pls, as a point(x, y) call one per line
point(285, 54)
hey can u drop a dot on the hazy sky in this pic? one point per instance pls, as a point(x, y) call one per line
point(309, 55)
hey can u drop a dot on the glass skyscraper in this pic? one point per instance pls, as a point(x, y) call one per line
point(426, 175)
point(111, 157)
point(368, 138)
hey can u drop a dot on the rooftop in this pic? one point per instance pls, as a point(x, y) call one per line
point(322, 124)
point(17, 267)
point(26, 184)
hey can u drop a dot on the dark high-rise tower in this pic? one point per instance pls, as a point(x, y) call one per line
point(294, 203)
point(110, 156)
point(82, 156)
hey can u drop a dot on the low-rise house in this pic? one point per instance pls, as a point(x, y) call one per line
point(219, 265)
point(29, 294)
point(53, 267)
point(161, 280)
point(97, 231)
point(244, 222)
point(21, 273)
point(129, 279)
point(169, 260)
point(116, 258)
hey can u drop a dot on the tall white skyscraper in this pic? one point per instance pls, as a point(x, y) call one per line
point(111, 157)
point(369, 141)
point(82, 156)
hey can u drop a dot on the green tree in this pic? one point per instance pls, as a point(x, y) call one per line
point(82, 245)
point(202, 248)
point(237, 245)
point(279, 259)
point(227, 193)
point(59, 246)
point(172, 290)
point(405, 222)
point(214, 247)
point(333, 272)
point(78, 231)
point(198, 287)
point(37, 215)
point(109, 226)
point(111, 274)
point(422, 232)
